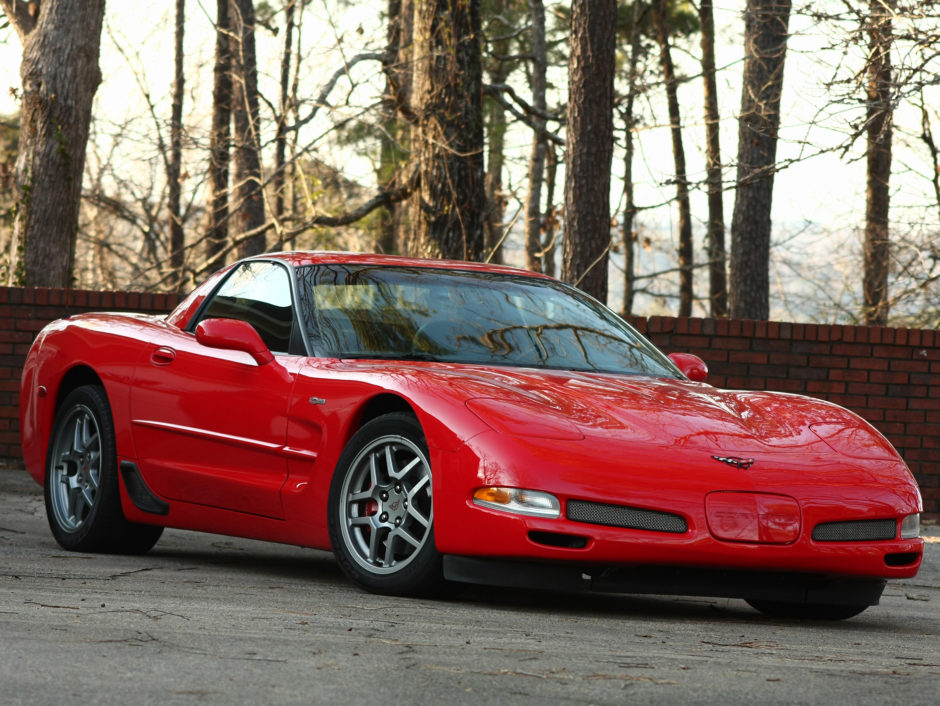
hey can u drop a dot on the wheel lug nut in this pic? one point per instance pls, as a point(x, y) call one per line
point(397, 488)
point(397, 521)
point(384, 496)
point(383, 517)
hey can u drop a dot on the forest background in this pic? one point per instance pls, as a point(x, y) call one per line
point(762, 159)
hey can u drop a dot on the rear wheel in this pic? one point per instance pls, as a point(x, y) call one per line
point(381, 514)
point(811, 611)
point(83, 502)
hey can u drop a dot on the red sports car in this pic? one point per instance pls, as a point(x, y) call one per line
point(436, 423)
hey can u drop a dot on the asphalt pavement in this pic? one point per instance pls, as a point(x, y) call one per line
point(204, 619)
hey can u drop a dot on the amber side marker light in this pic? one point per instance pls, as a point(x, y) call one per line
point(518, 501)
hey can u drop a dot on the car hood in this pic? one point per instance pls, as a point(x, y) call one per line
point(671, 412)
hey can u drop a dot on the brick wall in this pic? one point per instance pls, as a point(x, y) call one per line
point(891, 377)
point(24, 311)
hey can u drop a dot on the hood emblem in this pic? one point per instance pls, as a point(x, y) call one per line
point(742, 463)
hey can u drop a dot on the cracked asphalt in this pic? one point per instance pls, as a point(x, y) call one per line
point(204, 619)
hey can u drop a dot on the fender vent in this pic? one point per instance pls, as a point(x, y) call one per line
point(623, 516)
point(856, 531)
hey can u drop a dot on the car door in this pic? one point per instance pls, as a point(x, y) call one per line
point(210, 424)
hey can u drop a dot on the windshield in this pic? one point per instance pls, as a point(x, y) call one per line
point(389, 312)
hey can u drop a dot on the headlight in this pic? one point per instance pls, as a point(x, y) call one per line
point(519, 501)
point(910, 527)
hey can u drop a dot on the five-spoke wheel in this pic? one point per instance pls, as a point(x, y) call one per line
point(83, 500)
point(75, 467)
point(381, 511)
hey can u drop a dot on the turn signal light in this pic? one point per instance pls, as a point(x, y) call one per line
point(753, 517)
point(518, 500)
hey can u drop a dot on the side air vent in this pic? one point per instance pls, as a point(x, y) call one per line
point(856, 531)
point(624, 516)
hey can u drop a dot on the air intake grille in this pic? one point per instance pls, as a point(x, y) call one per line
point(621, 516)
point(856, 531)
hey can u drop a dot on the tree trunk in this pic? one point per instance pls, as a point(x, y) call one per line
point(590, 142)
point(537, 81)
point(447, 207)
point(176, 156)
point(877, 244)
point(627, 231)
point(550, 216)
point(398, 69)
point(217, 235)
point(249, 196)
point(678, 153)
point(495, 114)
point(60, 75)
point(715, 237)
point(280, 139)
point(765, 49)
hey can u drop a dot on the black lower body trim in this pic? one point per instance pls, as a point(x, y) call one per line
point(139, 492)
point(667, 580)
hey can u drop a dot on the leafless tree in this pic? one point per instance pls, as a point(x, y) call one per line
point(715, 238)
point(177, 252)
point(247, 179)
point(678, 152)
point(878, 194)
point(589, 148)
point(219, 149)
point(766, 32)
point(60, 76)
point(447, 142)
point(537, 81)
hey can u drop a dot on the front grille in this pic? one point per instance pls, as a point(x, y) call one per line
point(623, 516)
point(856, 531)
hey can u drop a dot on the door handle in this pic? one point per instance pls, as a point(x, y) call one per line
point(163, 356)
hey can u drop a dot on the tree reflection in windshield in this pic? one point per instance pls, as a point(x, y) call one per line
point(471, 317)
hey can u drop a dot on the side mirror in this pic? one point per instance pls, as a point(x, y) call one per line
point(233, 335)
point(691, 366)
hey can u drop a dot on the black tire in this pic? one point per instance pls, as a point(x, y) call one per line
point(83, 502)
point(381, 512)
point(807, 611)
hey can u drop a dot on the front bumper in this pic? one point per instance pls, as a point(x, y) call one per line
point(667, 580)
point(640, 478)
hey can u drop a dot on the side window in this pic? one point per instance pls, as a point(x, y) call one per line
point(259, 293)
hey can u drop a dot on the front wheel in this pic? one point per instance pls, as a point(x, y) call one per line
point(83, 502)
point(810, 611)
point(381, 514)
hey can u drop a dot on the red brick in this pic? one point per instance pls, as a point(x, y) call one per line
point(737, 344)
point(855, 402)
point(820, 361)
point(786, 385)
point(849, 375)
point(910, 366)
point(819, 386)
point(869, 363)
point(887, 402)
point(867, 388)
point(891, 352)
point(854, 350)
point(893, 378)
point(791, 359)
point(906, 416)
point(747, 357)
